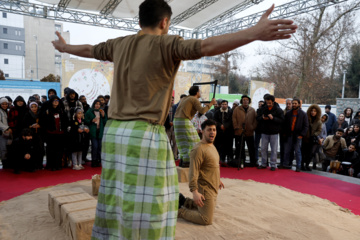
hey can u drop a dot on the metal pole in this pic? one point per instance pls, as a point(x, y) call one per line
point(343, 87)
point(37, 66)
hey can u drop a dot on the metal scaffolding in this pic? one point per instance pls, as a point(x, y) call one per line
point(110, 7)
point(227, 15)
point(287, 10)
point(211, 28)
point(192, 11)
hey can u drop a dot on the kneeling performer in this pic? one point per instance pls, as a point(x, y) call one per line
point(204, 179)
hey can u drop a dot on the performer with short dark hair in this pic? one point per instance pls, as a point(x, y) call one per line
point(139, 187)
point(204, 179)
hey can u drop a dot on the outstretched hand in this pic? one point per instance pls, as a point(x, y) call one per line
point(268, 30)
point(60, 43)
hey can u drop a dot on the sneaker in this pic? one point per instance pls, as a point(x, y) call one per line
point(76, 167)
point(272, 168)
point(261, 167)
point(297, 170)
point(182, 200)
point(81, 166)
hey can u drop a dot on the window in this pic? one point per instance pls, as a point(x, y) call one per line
point(6, 75)
point(6, 46)
point(4, 15)
point(19, 47)
point(6, 61)
point(57, 59)
point(4, 30)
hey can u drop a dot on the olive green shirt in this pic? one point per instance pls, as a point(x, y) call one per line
point(144, 72)
point(188, 106)
point(204, 169)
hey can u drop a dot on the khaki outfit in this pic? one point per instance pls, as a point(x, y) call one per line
point(247, 118)
point(188, 107)
point(185, 133)
point(144, 71)
point(204, 175)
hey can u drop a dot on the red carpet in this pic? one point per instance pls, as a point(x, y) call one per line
point(344, 194)
point(12, 185)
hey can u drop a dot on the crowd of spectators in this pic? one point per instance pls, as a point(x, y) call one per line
point(60, 129)
point(311, 138)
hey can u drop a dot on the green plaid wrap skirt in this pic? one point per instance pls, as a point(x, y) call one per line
point(186, 137)
point(138, 195)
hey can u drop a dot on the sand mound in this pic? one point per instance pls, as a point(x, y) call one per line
point(245, 210)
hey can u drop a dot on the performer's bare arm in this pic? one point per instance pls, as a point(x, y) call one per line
point(264, 30)
point(78, 50)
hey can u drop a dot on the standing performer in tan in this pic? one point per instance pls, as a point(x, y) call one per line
point(185, 133)
point(138, 195)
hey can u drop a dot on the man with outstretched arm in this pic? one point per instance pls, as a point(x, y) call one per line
point(138, 196)
point(185, 133)
point(204, 179)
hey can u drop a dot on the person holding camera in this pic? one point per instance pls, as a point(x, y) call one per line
point(296, 126)
point(270, 119)
point(244, 123)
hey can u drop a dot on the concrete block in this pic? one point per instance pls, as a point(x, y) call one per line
point(61, 193)
point(81, 224)
point(59, 201)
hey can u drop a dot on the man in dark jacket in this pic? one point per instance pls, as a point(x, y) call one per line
point(282, 135)
point(331, 120)
point(258, 131)
point(296, 126)
point(224, 128)
point(71, 102)
point(84, 103)
point(270, 120)
point(86, 145)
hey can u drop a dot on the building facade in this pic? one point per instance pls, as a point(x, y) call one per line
point(26, 51)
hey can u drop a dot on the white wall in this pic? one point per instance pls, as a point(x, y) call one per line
point(15, 68)
point(12, 20)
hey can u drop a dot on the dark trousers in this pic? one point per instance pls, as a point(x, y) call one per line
point(54, 150)
point(308, 152)
point(224, 145)
point(257, 144)
point(96, 150)
point(85, 149)
point(326, 162)
point(250, 143)
point(282, 149)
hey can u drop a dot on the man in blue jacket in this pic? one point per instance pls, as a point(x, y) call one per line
point(331, 120)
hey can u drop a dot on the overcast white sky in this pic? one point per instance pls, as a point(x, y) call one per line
point(83, 34)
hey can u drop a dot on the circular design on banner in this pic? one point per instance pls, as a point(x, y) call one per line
point(258, 95)
point(91, 83)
